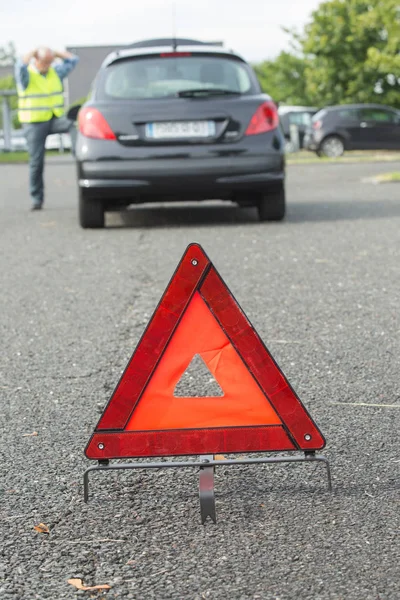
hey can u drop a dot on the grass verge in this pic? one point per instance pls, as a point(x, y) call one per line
point(388, 177)
point(22, 157)
point(304, 157)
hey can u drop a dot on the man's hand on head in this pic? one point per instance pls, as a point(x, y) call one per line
point(63, 55)
point(28, 57)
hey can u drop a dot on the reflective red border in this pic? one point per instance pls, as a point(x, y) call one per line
point(182, 442)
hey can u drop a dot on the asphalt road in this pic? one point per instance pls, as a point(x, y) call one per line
point(322, 289)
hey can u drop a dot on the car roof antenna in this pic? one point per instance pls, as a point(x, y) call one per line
point(174, 42)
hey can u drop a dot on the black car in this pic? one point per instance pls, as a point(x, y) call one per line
point(353, 127)
point(300, 116)
point(178, 120)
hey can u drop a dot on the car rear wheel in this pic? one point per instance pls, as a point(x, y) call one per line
point(91, 212)
point(272, 205)
point(332, 146)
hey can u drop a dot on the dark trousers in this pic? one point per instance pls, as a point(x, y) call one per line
point(36, 134)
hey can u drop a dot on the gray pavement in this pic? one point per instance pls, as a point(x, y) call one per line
point(322, 289)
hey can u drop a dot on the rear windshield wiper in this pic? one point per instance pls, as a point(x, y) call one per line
point(206, 92)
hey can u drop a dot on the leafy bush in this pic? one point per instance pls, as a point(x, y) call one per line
point(8, 83)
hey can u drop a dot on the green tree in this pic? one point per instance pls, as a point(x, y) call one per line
point(8, 83)
point(7, 59)
point(8, 55)
point(352, 52)
point(384, 59)
point(283, 78)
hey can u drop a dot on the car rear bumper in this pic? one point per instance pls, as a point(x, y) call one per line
point(166, 177)
point(193, 172)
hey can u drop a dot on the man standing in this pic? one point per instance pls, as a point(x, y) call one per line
point(41, 107)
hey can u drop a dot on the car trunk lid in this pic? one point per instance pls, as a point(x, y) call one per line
point(192, 120)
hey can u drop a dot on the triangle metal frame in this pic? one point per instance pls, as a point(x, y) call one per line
point(110, 440)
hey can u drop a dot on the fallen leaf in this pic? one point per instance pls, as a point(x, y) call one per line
point(79, 586)
point(33, 434)
point(219, 457)
point(41, 528)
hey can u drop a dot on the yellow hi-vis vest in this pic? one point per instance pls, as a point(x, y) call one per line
point(42, 99)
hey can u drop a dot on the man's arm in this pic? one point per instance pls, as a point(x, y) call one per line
point(69, 63)
point(28, 57)
point(21, 69)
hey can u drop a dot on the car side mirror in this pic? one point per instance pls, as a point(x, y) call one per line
point(72, 113)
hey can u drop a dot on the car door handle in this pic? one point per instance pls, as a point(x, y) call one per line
point(363, 124)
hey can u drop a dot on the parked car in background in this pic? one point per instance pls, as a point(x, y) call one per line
point(58, 141)
point(335, 129)
point(18, 141)
point(55, 141)
point(295, 115)
point(178, 120)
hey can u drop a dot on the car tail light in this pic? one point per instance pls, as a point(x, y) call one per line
point(92, 124)
point(264, 119)
point(317, 125)
point(174, 54)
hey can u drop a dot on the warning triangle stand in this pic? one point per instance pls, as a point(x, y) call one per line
point(258, 411)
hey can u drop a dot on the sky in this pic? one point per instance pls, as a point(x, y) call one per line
point(250, 27)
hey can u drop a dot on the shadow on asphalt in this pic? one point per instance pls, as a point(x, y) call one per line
point(298, 212)
point(170, 216)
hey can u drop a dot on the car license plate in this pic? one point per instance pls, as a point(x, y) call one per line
point(180, 130)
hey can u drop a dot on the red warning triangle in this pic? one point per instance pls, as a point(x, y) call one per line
point(258, 412)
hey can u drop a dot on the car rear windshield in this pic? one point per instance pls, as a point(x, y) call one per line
point(166, 76)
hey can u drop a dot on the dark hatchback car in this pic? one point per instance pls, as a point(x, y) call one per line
point(353, 127)
point(178, 122)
